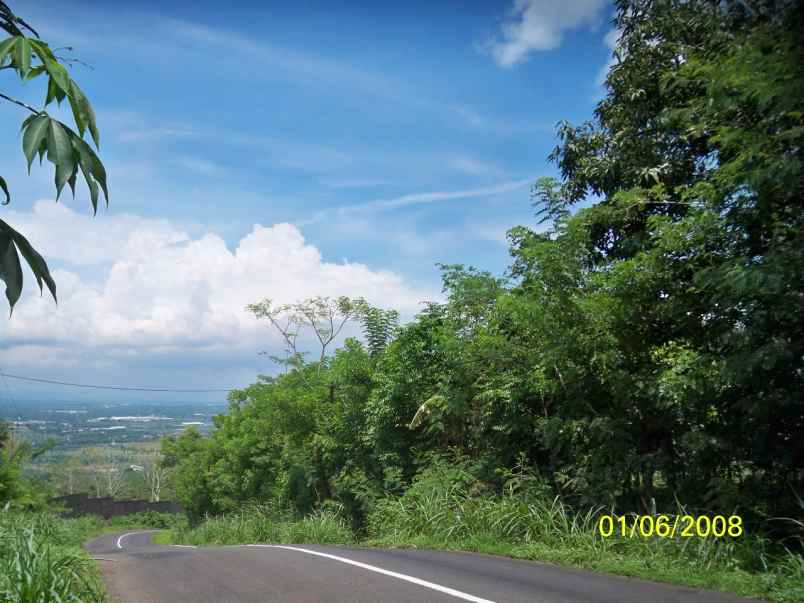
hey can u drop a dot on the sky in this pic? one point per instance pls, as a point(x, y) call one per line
point(279, 150)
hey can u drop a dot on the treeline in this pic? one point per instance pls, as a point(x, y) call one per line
point(642, 352)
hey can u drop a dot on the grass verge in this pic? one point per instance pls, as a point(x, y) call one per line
point(709, 566)
point(42, 559)
point(440, 511)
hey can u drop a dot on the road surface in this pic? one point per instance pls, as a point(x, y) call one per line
point(137, 571)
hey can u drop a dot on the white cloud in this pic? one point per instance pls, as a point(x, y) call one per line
point(475, 167)
point(201, 166)
point(164, 290)
point(610, 40)
point(360, 183)
point(424, 198)
point(540, 25)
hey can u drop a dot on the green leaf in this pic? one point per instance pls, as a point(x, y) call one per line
point(6, 45)
point(35, 72)
point(60, 153)
point(75, 98)
point(42, 50)
point(83, 113)
point(59, 75)
point(71, 180)
point(36, 262)
point(4, 186)
point(93, 187)
point(54, 92)
point(35, 133)
point(90, 162)
point(28, 120)
point(10, 269)
point(22, 56)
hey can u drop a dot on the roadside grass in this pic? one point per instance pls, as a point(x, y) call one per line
point(548, 534)
point(42, 559)
point(443, 509)
point(261, 524)
point(442, 513)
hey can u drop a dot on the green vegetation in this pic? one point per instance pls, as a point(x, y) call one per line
point(643, 354)
point(446, 507)
point(262, 524)
point(42, 559)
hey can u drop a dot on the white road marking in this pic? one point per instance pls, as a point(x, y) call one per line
point(120, 540)
point(379, 570)
point(185, 546)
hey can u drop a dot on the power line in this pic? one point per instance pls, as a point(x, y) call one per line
point(116, 387)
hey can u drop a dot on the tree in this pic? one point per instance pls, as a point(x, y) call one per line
point(42, 135)
point(14, 488)
point(325, 318)
point(155, 474)
point(688, 268)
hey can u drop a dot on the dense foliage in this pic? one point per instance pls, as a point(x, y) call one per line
point(645, 349)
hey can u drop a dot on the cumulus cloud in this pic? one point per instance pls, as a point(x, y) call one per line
point(540, 25)
point(160, 290)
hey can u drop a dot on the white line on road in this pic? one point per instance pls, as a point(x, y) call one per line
point(120, 540)
point(185, 546)
point(379, 570)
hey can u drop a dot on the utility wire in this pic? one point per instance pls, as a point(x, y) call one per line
point(115, 387)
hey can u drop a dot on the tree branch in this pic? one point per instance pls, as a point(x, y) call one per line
point(20, 103)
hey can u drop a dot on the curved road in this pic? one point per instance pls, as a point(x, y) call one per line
point(137, 571)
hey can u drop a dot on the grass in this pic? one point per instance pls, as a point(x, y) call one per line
point(444, 511)
point(42, 559)
point(261, 524)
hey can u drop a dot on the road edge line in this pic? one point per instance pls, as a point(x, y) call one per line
point(373, 568)
point(121, 537)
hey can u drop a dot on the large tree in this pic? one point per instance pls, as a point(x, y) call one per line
point(683, 293)
point(23, 53)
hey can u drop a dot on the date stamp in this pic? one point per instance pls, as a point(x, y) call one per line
point(670, 526)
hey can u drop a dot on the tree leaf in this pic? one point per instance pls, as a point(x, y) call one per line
point(75, 97)
point(35, 72)
point(59, 84)
point(35, 132)
point(54, 92)
point(32, 257)
point(89, 161)
point(93, 187)
point(6, 45)
point(4, 186)
point(10, 269)
point(60, 153)
point(83, 113)
point(22, 55)
point(42, 50)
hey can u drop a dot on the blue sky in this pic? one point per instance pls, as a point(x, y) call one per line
point(278, 150)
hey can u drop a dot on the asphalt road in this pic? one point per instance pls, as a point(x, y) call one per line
point(137, 571)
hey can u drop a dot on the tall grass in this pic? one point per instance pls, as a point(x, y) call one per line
point(444, 508)
point(41, 560)
point(263, 524)
point(447, 508)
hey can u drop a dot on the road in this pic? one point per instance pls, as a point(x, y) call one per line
point(137, 571)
